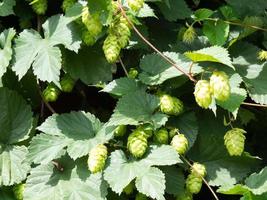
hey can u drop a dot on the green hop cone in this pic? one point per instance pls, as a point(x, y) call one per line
point(193, 184)
point(129, 188)
point(111, 48)
point(97, 158)
point(180, 143)
point(67, 4)
point(161, 136)
point(185, 196)
point(39, 6)
point(123, 31)
point(137, 143)
point(132, 73)
point(189, 35)
point(146, 130)
point(18, 191)
point(67, 83)
point(173, 132)
point(198, 169)
point(171, 105)
point(219, 84)
point(120, 131)
point(87, 37)
point(234, 140)
point(140, 196)
point(203, 93)
point(51, 93)
point(92, 22)
point(135, 5)
point(262, 55)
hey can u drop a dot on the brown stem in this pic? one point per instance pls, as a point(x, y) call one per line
point(57, 165)
point(123, 66)
point(152, 46)
point(46, 103)
point(254, 104)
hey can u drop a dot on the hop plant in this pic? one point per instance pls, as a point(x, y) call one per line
point(132, 73)
point(67, 4)
point(137, 143)
point(193, 183)
point(161, 136)
point(51, 93)
point(198, 169)
point(140, 196)
point(39, 6)
point(185, 196)
point(219, 84)
point(146, 130)
point(97, 158)
point(92, 22)
point(120, 130)
point(171, 105)
point(135, 5)
point(203, 93)
point(67, 83)
point(189, 35)
point(262, 55)
point(111, 48)
point(87, 37)
point(180, 143)
point(129, 188)
point(234, 140)
point(173, 132)
point(122, 30)
point(18, 191)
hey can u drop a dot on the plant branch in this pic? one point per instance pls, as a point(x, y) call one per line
point(152, 46)
point(123, 66)
point(204, 180)
point(254, 104)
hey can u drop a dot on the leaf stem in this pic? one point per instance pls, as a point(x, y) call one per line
point(254, 104)
point(152, 46)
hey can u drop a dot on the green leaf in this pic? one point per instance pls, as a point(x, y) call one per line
point(72, 182)
point(211, 54)
point(246, 116)
point(177, 10)
point(156, 70)
point(152, 183)
point(6, 7)
point(257, 182)
point(202, 13)
point(78, 132)
point(6, 194)
point(5, 49)
point(89, 65)
point(216, 31)
point(250, 21)
point(146, 11)
point(123, 86)
point(135, 108)
point(103, 7)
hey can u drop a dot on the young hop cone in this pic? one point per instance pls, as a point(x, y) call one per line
point(140, 196)
point(234, 140)
point(137, 143)
point(120, 131)
point(97, 158)
point(262, 55)
point(18, 191)
point(135, 5)
point(123, 31)
point(67, 4)
point(171, 105)
point(198, 169)
point(180, 143)
point(146, 130)
point(51, 93)
point(161, 136)
point(203, 95)
point(185, 196)
point(193, 183)
point(189, 35)
point(129, 188)
point(219, 84)
point(92, 22)
point(39, 6)
point(67, 83)
point(111, 48)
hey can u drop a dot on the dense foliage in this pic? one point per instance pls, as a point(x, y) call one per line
point(133, 99)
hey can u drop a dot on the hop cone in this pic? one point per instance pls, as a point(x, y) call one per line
point(97, 158)
point(180, 143)
point(137, 143)
point(185, 196)
point(18, 191)
point(132, 73)
point(140, 196)
point(51, 93)
point(203, 93)
point(39, 6)
point(111, 48)
point(146, 130)
point(219, 84)
point(171, 105)
point(129, 188)
point(161, 136)
point(189, 35)
point(193, 183)
point(173, 132)
point(67, 83)
point(122, 30)
point(87, 37)
point(67, 4)
point(135, 5)
point(262, 55)
point(120, 130)
point(92, 22)
point(234, 140)
point(198, 169)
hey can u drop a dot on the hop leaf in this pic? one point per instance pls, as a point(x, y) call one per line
point(135, 5)
point(66, 4)
point(67, 83)
point(185, 196)
point(18, 191)
point(140, 196)
point(193, 183)
point(97, 158)
point(111, 48)
point(171, 105)
point(203, 93)
point(51, 93)
point(262, 55)
point(234, 141)
point(120, 130)
point(189, 35)
point(137, 143)
point(219, 84)
point(39, 6)
point(198, 169)
point(180, 143)
point(129, 188)
point(161, 136)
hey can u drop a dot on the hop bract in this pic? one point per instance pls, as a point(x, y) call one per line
point(171, 105)
point(180, 143)
point(198, 169)
point(234, 141)
point(262, 55)
point(111, 48)
point(203, 93)
point(219, 84)
point(135, 5)
point(189, 35)
point(161, 136)
point(137, 143)
point(51, 93)
point(91, 21)
point(193, 184)
point(97, 158)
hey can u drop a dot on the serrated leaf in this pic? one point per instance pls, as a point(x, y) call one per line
point(152, 183)
point(6, 194)
point(146, 11)
point(216, 31)
point(89, 65)
point(135, 108)
point(211, 54)
point(202, 13)
point(123, 86)
point(74, 182)
point(248, 22)
point(6, 7)
point(5, 49)
point(257, 182)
